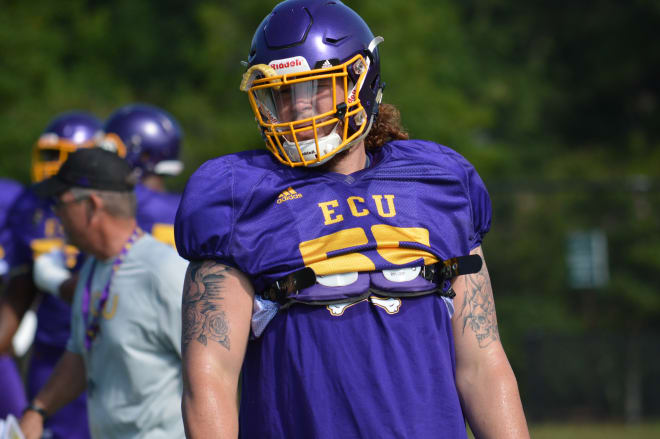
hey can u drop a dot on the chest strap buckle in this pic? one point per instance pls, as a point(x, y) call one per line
point(285, 288)
point(289, 285)
point(450, 268)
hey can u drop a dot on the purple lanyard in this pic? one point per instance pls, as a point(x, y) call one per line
point(93, 327)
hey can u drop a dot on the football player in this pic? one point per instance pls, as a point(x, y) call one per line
point(41, 262)
point(150, 140)
point(13, 399)
point(342, 270)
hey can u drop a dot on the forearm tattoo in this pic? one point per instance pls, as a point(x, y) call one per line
point(478, 309)
point(203, 316)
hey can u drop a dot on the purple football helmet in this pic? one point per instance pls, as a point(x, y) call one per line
point(147, 137)
point(313, 80)
point(64, 134)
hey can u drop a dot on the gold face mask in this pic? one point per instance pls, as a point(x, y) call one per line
point(49, 153)
point(304, 116)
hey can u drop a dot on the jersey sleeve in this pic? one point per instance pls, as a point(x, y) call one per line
point(22, 230)
point(205, 218)
point(477, 194)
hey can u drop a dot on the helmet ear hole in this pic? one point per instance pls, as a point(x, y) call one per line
point(374, 84)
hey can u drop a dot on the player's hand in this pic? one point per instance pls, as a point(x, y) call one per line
point(32, 424)
point(50, 271)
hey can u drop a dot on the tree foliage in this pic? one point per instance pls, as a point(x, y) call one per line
point(556, 103)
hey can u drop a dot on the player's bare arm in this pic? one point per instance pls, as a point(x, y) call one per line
point(477, 312)
point(204, 318)
point(486, 384)
point(217, 307)
point(65, 384)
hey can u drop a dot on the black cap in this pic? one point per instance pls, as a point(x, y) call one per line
point(91, 168)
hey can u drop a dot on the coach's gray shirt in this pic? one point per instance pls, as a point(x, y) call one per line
point(134, 365)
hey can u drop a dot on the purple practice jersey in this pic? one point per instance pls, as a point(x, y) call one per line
point(12, 399)
point(156, 212)
point(375, 367)
point(9, 192)
point(36, 230)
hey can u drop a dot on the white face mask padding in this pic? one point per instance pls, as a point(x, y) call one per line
point(308, 148)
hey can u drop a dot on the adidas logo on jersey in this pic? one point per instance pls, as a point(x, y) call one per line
point(289, 194)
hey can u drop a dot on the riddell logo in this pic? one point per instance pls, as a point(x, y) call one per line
point(285, 66)
point(351, 97)
point(287, 195)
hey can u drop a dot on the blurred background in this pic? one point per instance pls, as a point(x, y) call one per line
point(555, 103)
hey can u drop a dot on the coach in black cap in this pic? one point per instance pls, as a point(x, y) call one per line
point(93, 196)
point(90, 178)
point(124, 347)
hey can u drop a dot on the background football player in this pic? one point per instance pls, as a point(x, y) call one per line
point(317, 268)
point(41, 262)
point(13, 398)
point(150, 140)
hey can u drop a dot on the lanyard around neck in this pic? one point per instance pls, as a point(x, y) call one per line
point(92, 327)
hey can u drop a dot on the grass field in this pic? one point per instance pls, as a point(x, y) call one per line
point(595, 431)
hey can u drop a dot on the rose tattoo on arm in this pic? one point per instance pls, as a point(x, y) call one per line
point(204, 319)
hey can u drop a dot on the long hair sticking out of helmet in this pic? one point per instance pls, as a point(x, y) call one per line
point(387, 126)
point(313, 80)
point(64, 134)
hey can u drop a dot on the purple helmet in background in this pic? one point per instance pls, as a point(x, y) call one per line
point(64, 134)
point(148, 137)
point(301, 50)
